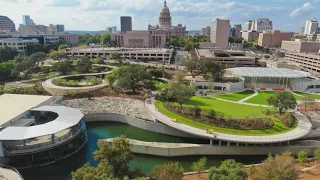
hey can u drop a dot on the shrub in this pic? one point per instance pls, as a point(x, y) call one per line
point(95, 81)
point(288, 119)
point(228, 170)
point(173, 171)
point(212, 113)
point(73, 83)
point(302, 157)
point(196, 111)
point(251, 170)
point(200, 165)
point(317, 155)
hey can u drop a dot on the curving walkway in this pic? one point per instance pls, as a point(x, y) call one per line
point(303, 128)
point(60, 90)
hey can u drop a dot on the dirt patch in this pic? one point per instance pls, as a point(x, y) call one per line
point(203, 176)
point(310, 107)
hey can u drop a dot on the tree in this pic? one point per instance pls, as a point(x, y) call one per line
point(84, 65)
point(129, 77)
point(215, 70)
point(113, 162)
point(37, 58)
point(56, 55)
point(157, 72)
point(98, 60)
point(317, 155)
point(34, 48)
point(282, 101)
point(63, 46)
point(180, 93)
point(275, 168)
point(105, 39)
point(308, 100)
point(172, 171)
point(192, 65)
point(116, 56)
point(24, 67)
point(302, 157)
point(6, 69)
point(7, 53)
point(19, 59)
point(64, 67)
point(111, 79)
point(228, 170)
point(199, 165)
point(299, 36)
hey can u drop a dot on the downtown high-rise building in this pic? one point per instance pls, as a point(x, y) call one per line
point(220, 33)
point(259, 25)
point(126, 23)
point(311, 26)
point(27, 20)
point(59, 28)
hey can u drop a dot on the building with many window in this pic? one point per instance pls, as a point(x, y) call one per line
point(138, 54)
point(300, 46)
point(126, 23)
point(6, 24)
point(205, 31)
point(308, 62)
point(17, 43)
point(59, 28)
point(262, 24)
point(273, 38)
point(27, 20)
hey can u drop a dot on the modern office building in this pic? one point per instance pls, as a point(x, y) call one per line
point(236, 30)
point(311, 37)
point(220, 33)
point(111, 30)
point(205, 31)
point(273, 38)
point(300, 46)
point(308, 62)
point(248, 26)
point(139, 54)
point(262, 24)
point(29, 29)
point(51, 28)
point(59, 28)
point(229, 58)
point(34, 132)
point(126, 23)
point(27, 20)
point(311, 26)
point(6, 24)
point(17, 43)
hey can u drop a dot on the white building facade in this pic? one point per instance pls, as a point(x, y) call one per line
point(17, 43)
point(262, 24)
point(311, 26)
point(220, 33)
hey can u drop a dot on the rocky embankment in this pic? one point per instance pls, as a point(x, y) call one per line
point(130, 107)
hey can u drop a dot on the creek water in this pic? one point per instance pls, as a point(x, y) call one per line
point(61, 170)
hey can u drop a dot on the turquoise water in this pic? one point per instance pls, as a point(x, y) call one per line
point(62, 169)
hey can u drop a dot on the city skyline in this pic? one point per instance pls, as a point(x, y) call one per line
point(97, 15)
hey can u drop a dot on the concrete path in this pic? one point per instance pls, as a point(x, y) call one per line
point(303, 128)
point(256, 93)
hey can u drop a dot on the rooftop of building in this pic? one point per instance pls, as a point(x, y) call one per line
point(13, 105)
point(4, 18)
point(121, 49)
point(267, 72)
point(211, 53)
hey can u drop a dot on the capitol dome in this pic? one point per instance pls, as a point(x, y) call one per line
point(165, 17)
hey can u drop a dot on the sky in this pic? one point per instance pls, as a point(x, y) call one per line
point(91, 15)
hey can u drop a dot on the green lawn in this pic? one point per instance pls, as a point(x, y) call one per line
point(159, 84)
point(229, 109)
point(263, 96)
point(316, 96)
point(236, 96)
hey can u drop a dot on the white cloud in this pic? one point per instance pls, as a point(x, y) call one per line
point(306, 8)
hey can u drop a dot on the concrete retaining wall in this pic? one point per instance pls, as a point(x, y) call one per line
point(139, 123)
point(180, 149)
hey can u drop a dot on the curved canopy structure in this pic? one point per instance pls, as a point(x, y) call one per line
point(267, 72)
point(67, 117)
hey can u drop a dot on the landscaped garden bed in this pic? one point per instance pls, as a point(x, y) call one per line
point(67, 82)
point(230, 111)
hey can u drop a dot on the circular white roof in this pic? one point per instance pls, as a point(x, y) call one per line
point(67, 117)
point(267, 72)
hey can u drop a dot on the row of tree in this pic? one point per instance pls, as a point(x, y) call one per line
point(187, 43)
point(114, 162)
point(208, 69)
point(104, 39)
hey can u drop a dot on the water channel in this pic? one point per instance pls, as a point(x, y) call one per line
point(61, 170)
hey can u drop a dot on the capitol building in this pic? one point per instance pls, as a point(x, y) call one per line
point(155, 37)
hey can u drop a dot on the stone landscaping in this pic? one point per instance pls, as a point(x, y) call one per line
point(130, 107)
